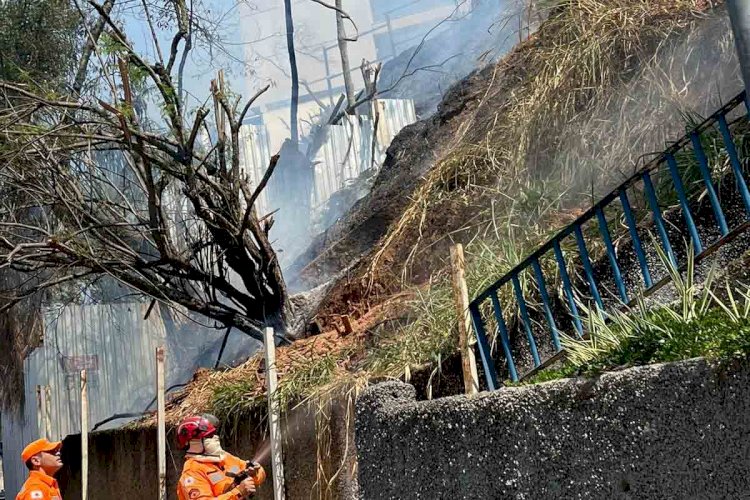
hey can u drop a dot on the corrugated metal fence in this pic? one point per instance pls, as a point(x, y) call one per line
point(348, 150)
point(114, 344)
point(345, 154)
point(117, 346)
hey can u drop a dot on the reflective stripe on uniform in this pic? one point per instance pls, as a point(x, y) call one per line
point(215, 477)
point(36, 494)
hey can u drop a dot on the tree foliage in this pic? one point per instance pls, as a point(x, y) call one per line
point(38, 40)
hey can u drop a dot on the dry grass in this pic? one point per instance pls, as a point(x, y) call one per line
point(509, 167)
point(306, 365)
point(509, 143)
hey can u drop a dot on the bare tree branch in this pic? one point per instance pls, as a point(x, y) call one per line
point(343, 14)
point(87, 190)
point(89, 47)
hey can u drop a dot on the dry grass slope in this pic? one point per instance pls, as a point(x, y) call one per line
point(509, 178)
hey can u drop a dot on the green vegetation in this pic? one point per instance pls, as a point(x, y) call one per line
point(38, 40)
point(231, 401)
point(704, 321)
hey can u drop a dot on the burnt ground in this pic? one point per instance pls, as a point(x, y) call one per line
point(413, 152)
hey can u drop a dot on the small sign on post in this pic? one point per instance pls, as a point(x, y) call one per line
point(75, 364)
point(277, 461)
point(84, 437)
point(461, 296)
point(161, 434)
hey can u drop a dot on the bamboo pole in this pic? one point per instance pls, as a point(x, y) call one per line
point(461, 297)
point(161, 433)
point(84, 436)
point(277, 461)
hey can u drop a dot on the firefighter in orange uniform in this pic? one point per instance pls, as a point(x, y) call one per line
point(42, 458)
point(208, 471)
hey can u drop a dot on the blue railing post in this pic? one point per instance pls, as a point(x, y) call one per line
point(604, 230)
point(680, 188)
point(700, 155)
point(526, 319)
point(587, 269)
point(567, 287)
point(637, 246)
point(734, 160)
point(485, 352)
point(658, 220)
point(502, 329)
point(546, 303)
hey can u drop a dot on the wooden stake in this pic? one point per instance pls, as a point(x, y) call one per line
point(347, 322)
point(161, 433)
point(47, 410)
point(40, 410)
point(461, 296)
point(277, 459)
point(84, 436)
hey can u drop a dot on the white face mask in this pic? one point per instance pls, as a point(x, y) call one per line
point(212, 446)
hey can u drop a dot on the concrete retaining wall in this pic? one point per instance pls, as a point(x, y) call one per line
point(664, 431)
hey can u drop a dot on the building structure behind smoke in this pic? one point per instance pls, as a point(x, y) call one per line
point(329, 159)
point(424, 47)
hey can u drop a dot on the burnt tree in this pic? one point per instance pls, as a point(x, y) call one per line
point(174, 220)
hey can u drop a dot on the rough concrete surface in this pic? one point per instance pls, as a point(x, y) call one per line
point(677, 430)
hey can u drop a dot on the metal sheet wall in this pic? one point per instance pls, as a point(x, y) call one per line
point(346, 153)
point(114, 343)
point(348, 150)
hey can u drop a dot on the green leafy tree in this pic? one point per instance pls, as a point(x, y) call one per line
point(38, 41)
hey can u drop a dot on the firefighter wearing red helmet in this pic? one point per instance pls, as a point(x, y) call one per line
point(209, 471)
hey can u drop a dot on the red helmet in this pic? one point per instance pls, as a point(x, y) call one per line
point(196, 427)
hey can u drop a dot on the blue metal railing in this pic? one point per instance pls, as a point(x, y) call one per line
point(489, 299)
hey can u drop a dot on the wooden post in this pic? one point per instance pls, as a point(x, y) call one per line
point(46, 392)
point(277, 461)
point(161, 433)
point(461, 296)
point(40, 411)
point(84, 436)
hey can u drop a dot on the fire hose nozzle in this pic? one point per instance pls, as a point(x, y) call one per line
point(254, 470)
point(258, 474)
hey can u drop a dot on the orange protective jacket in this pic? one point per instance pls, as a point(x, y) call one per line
point(39, 486)
point(205, 477)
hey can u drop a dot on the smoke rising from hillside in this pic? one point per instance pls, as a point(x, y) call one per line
point(475, 34)
point(688, 78)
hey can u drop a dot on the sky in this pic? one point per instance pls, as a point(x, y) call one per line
point(203, 63)
point(252, 45)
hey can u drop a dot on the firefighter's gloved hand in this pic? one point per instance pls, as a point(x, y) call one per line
point(247, 487)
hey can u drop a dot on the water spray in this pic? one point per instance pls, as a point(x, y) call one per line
point(263, 454)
